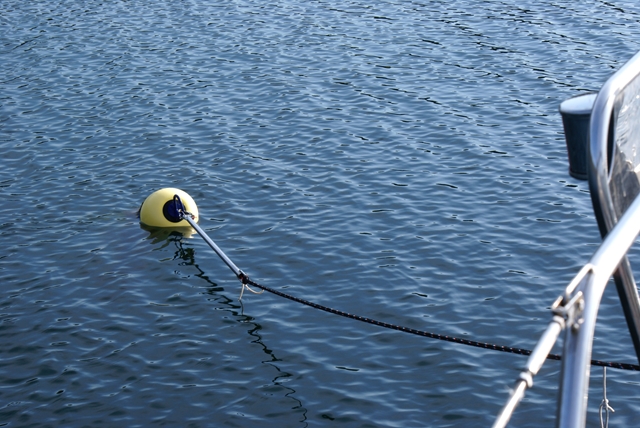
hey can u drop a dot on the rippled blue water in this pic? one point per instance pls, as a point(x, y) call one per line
point(401, 160)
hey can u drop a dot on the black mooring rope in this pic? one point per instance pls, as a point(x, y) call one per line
point(246, 281)
point(520, 351)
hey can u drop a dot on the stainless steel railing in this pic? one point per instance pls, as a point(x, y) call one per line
point(614, 179)
point(575, 312)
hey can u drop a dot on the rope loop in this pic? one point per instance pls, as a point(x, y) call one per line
point(604, 406)
point(245, 285)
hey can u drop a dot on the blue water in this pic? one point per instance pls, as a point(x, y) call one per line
point(401, 160)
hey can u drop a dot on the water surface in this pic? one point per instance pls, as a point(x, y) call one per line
point(402, 160)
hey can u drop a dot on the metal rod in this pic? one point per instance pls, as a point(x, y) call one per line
point(534, 363)
point(545, 345)
point(213, 246)
point(507, 411)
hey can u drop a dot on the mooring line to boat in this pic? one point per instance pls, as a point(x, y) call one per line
point(246, 282)
point(509, 349)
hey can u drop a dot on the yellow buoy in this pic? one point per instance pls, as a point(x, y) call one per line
point(159, 209)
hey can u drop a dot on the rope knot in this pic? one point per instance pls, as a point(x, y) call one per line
point(245, 284)
point(243, 278)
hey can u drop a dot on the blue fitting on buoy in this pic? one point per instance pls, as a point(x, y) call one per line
point(164, 207)
point(173, 209)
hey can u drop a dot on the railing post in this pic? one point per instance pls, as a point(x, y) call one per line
point(576, 359)
point(574, 383)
